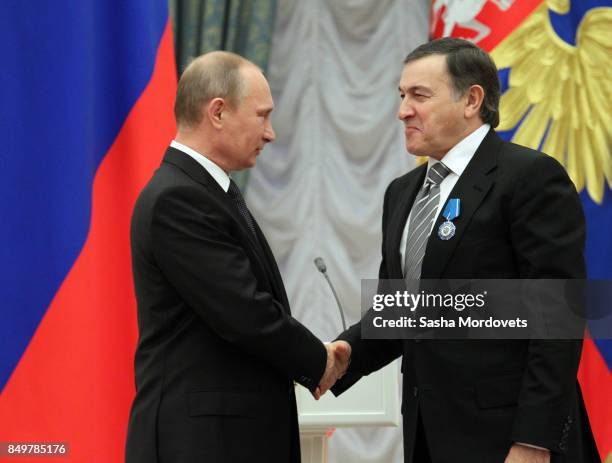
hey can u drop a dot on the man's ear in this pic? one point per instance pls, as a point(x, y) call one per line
point(475, 97)
point(214, 112)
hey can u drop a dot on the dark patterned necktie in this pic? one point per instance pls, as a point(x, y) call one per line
point(422, 216)
point(236, 195)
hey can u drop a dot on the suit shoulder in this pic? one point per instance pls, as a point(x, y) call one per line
point(523, 159)
point(168, 180)
point(170, 188)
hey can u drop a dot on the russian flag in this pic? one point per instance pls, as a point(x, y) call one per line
point(86, 95)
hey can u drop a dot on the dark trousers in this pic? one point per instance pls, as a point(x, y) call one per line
point(421, 449)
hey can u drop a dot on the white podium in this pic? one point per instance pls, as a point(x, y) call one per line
point(373, 401)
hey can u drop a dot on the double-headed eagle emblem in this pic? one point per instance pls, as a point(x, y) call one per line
point(559, 95)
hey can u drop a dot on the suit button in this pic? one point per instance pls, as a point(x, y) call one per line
point(415, 391)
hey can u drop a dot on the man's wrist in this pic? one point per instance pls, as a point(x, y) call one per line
point(532, 446)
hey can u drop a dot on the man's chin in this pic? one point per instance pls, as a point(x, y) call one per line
point(413, 150)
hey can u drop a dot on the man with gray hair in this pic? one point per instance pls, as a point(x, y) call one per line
point(218, 350)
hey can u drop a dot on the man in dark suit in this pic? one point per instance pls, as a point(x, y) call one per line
point(218, 350)
point(478, 401)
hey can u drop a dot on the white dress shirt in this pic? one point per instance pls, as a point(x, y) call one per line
point(213, 169)
point(456, 160)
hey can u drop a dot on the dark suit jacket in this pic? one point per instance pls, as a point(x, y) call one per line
point(520, 218)
point(218, 350)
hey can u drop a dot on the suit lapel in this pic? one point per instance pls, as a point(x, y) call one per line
point(201, 175)
point(397, 221)
point(471, 188)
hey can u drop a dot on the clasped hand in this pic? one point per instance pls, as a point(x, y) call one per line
point(523, 454)
point(338, 358)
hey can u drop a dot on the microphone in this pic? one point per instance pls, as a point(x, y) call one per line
point(321, 267)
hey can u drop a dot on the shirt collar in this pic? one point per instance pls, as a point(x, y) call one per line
point(213, 169)
point(461, 154)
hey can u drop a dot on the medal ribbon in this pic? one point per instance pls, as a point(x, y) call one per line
point(451, 211)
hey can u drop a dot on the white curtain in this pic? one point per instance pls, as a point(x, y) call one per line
point(318, 190)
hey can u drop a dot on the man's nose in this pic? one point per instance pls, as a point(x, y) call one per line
point(405, 110)
point(269, 134)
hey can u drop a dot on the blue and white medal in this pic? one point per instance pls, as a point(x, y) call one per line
point(451, 212)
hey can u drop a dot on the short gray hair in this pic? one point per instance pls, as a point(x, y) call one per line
point(213, 75)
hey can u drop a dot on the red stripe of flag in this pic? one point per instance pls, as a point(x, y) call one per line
point(596, 383)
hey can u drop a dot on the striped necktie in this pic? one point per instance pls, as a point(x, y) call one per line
point(422, 217)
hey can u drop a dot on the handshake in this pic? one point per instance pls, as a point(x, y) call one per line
point(338, 359)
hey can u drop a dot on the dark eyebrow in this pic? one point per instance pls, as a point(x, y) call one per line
point(416, 88)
